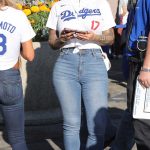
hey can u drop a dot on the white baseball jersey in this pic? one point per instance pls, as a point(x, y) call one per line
point(85, 15)
point(14, 29)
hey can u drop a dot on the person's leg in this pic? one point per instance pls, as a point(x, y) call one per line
point(125, 134)
point(141, 126)
point(142, 135)
point(68, 90)
point(94, 82)
point(124, 138)
point(110, 133)
point(14, 122)
point(12, 106)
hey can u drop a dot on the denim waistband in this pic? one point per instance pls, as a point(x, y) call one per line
point(4, 74)
point(71, 49)
point(9, 70)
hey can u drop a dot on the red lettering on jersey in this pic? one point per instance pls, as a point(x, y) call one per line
point(95, 25)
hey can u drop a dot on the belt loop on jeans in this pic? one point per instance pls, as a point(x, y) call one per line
point(93, 52)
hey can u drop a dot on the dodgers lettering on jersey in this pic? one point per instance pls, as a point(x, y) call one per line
point(7, 26)
point(96, 17)
point(83, 13)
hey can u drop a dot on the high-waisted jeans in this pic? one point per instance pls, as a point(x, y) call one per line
point(77, 75)
point(12, 107)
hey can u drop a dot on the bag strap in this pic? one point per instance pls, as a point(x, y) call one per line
point(117, 20)
point(132, 9)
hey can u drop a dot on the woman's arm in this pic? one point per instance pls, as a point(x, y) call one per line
point(27, 51)
point(57, 42)
point(54, 41)
point(106, 38)
point(124, 9)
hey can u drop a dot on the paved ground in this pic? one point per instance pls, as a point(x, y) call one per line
point(48, 136)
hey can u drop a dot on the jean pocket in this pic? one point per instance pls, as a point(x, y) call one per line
point(12, 92)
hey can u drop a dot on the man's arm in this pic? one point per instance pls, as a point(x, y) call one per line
point(144, 76)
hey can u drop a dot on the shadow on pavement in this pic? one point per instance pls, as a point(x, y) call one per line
point(114, 115)
point(50, 136)
point(45, 137)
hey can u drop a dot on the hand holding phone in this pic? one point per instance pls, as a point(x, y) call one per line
point(68, 30)
point(80, 31)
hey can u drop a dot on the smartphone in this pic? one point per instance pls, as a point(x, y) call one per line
point(80, 31)
point(67, 30)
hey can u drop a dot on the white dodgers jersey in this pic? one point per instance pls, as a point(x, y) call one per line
point(14, 30)
point(86, 15)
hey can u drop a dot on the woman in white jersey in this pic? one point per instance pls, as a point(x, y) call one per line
point(15, 31)
point(78, 29)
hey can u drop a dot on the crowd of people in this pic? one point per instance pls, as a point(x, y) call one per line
point(79, 31)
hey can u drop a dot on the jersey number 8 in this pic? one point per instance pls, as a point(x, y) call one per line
point(2, 44)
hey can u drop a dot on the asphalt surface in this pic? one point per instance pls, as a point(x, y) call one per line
point(48, 136)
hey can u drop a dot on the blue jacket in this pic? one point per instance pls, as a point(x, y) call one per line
point(140, 27)
point(141, 23)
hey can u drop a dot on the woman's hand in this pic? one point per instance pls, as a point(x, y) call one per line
point(106, 38)
point(66, 35)
point(87, 35)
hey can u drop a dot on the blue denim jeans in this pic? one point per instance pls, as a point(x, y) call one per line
point(77, 75)
point(12, 107)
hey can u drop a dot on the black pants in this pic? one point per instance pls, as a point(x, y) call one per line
point(141, 126)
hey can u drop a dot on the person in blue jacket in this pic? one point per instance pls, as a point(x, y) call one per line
point(139, 66)
point(138, 26)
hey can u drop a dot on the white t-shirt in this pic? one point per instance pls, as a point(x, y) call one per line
point(85, 15)
point(14, 29)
